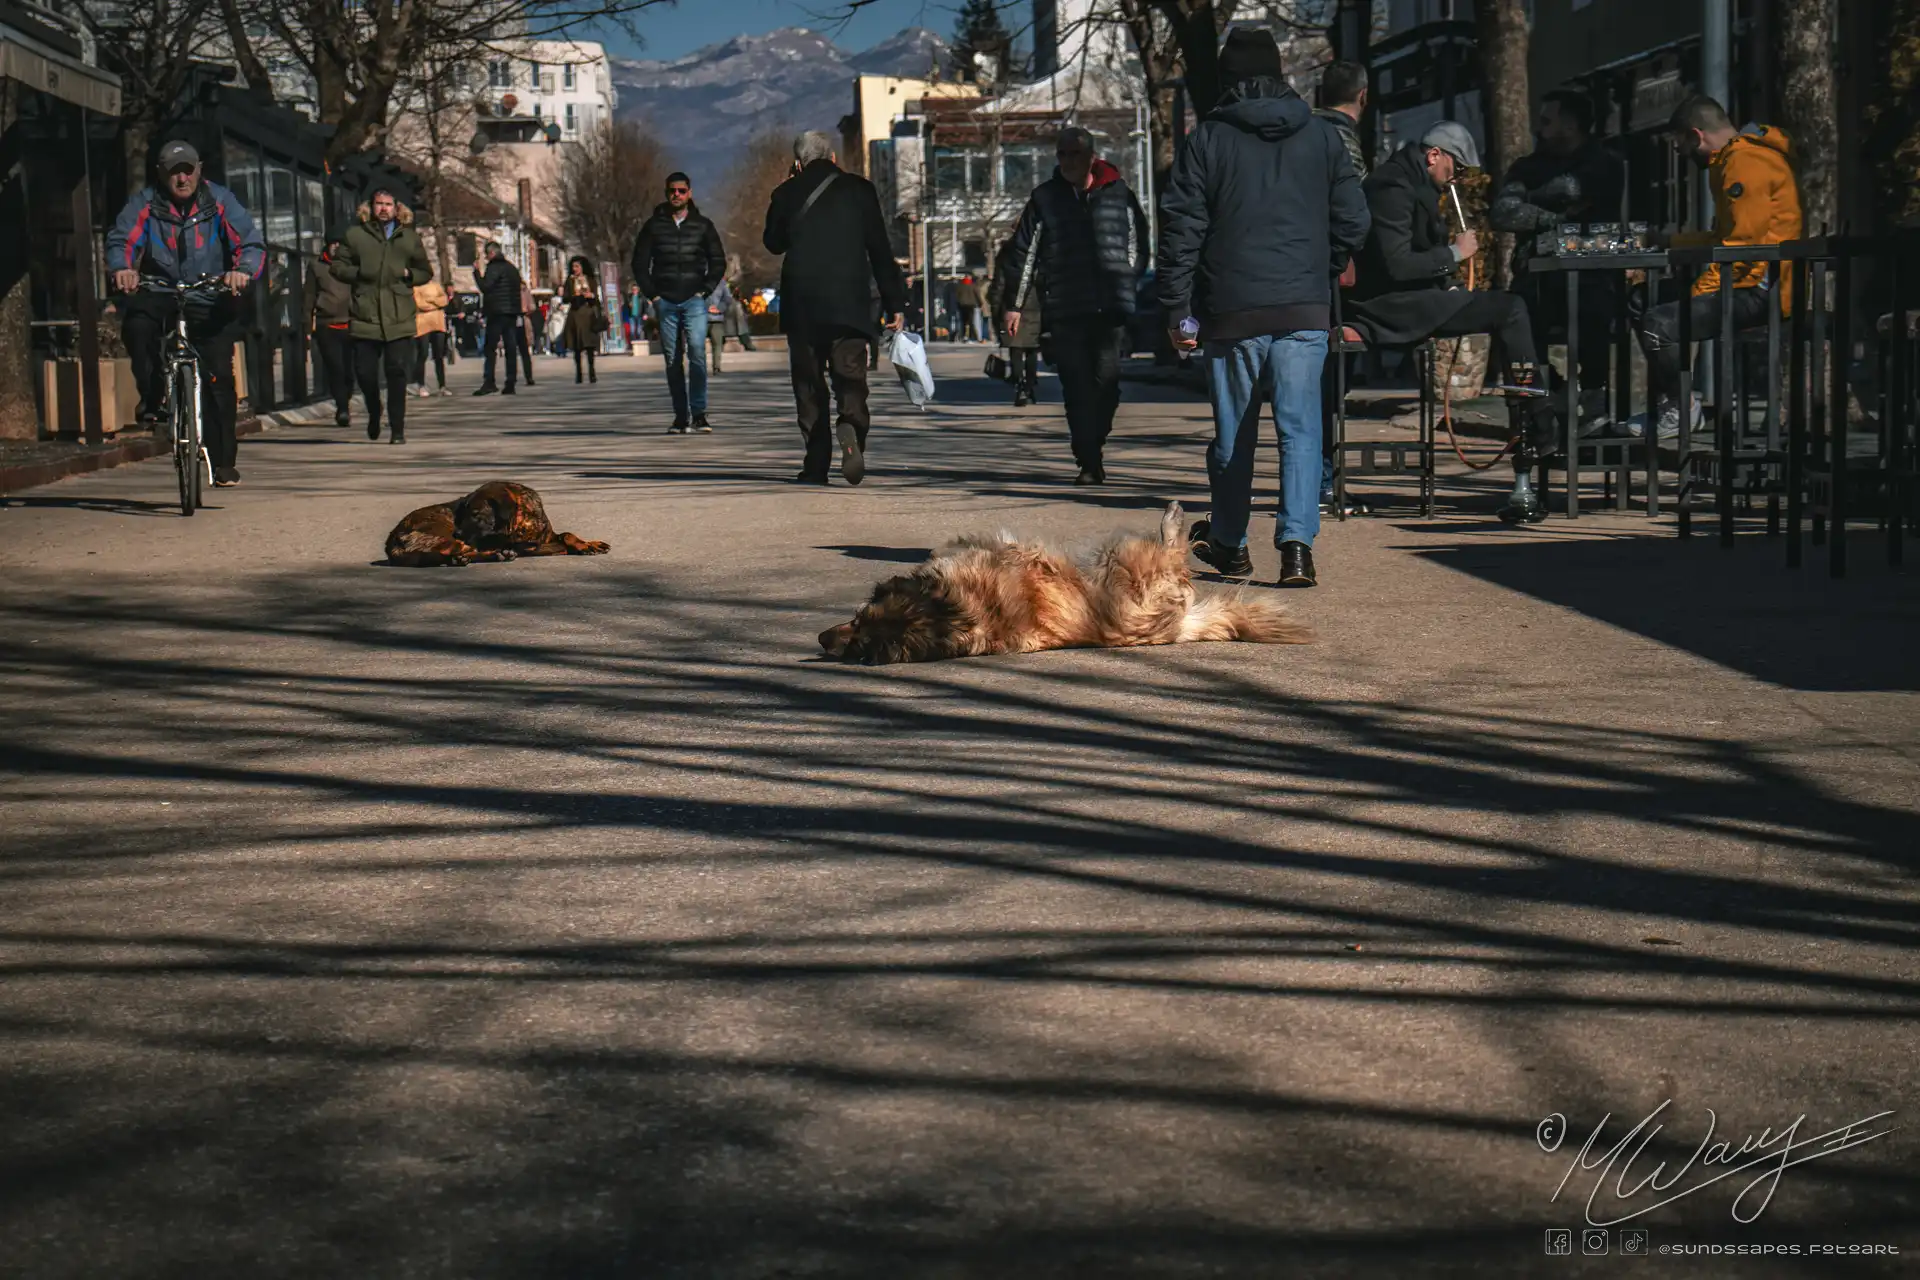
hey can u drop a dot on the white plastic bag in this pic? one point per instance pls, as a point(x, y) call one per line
point(908, 356)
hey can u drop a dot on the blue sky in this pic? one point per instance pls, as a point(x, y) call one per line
point(676, 29)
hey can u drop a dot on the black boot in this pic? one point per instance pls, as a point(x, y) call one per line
point(373, 424)
point(1296, 565)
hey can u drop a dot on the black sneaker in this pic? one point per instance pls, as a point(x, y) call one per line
point(701, 425)
point(373, 428)
point(508, 389)
point(812, 477)
point(853, 461)
point(225, 477)
point(339, 419)
point(1092, 473)
point(398, 437)
point(487, 390)
point(1296, 565)
point(679, 427)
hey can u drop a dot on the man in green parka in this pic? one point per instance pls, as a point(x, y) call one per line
point(380, 260)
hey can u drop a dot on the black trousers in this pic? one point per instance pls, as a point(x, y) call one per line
point(148, 318)
point(500, 331)
point(1546, 298)
point(828, 367)
point(1086, 351)
point(1659, 330)
point(1025, 362)
point(371, 358)
point(526, 351)
point(1504, 315)
point(430, 346)
point(336, 363)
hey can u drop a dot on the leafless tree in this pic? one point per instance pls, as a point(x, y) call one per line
point(1501, 37)
point(151, 46)
point(1807, 102)
point(741, 208)
point(361, 54)
point(609, 185)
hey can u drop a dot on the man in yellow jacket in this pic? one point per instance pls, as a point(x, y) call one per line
point(1755, 201)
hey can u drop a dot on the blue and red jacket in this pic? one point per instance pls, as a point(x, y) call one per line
point(216, 235)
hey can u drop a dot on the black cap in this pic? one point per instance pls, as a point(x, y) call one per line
point(1250, 52)
point(177, 153)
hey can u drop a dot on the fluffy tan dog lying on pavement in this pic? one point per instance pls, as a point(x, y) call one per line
point(994, 595)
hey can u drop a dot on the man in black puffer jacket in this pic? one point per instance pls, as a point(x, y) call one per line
point(1082, 240)
point(677, 261)
point(500, 305)
point(1263, 211)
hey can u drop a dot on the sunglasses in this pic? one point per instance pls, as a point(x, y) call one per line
point(678, 191)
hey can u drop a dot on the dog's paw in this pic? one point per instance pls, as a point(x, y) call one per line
point(597, 548)
point(459, 562)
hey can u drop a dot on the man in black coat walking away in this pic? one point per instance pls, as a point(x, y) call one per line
point(678, 260)
point(500, 305)
point(1262, 213)
point(829, 225)
point(1406, 293)
point(1082, 240)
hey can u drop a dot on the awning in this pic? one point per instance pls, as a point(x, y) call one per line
point(31, 63)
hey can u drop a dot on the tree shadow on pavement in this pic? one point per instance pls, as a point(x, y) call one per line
point(429, 926)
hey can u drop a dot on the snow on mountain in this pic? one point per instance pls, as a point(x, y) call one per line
point(706, 105)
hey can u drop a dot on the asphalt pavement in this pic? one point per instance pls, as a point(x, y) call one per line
point(571, 917)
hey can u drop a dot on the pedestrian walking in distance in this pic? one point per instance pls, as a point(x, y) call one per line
point(329, 313)
point(430, 341)
point(828, 224)
point(586, 315)
point(1263, 211)
point(382, 259)
point(1082, 243)
point(500, 305)
point(677, 261)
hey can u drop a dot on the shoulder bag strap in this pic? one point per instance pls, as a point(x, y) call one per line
point(815, 195)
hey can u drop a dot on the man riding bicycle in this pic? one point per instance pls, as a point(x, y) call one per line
point(185, 229)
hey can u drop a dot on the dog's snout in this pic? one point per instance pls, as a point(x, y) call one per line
point(834, 639)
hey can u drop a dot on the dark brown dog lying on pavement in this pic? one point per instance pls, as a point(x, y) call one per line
point(500, 520)
point(995, 595)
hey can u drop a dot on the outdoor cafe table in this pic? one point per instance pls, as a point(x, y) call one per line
point(1574, 265)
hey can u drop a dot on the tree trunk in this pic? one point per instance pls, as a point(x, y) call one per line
point(136, 133)
point(1501, 40)
point(1807, 103)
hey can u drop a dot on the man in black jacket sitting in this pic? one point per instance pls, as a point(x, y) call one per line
point(677, 261)
point(500, 305)
point(1262, 213)
point(1406, 293)
point(1082, 240)
point(1569, 177)
point(829, 225)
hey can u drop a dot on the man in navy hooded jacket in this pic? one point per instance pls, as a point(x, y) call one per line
point(1263, 211)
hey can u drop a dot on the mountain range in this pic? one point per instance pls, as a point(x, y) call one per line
point(705, 106)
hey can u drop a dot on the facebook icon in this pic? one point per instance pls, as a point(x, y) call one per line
point(1559, 1242)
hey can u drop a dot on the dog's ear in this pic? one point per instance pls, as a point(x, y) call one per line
point(1172, 521)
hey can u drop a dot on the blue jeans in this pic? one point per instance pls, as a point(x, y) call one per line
point(683, 335)
point(1284, 372)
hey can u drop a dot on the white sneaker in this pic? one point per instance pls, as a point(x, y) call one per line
point(446, 391)
point(1669, 422)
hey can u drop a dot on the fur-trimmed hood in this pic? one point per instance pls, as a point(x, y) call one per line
point(401, 213)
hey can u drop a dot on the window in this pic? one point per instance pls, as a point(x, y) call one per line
point(573, 122)
point(566, 75)
point(534, 111)
point(466, 249)
point(533, 76)
point(1019, 170)
point(499, 75)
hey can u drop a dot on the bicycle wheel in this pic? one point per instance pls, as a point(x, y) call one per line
point(186, 435)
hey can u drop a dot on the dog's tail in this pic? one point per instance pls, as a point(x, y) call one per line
point(1241, 617)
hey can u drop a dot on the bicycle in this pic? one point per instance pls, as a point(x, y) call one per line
point(181, 370)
